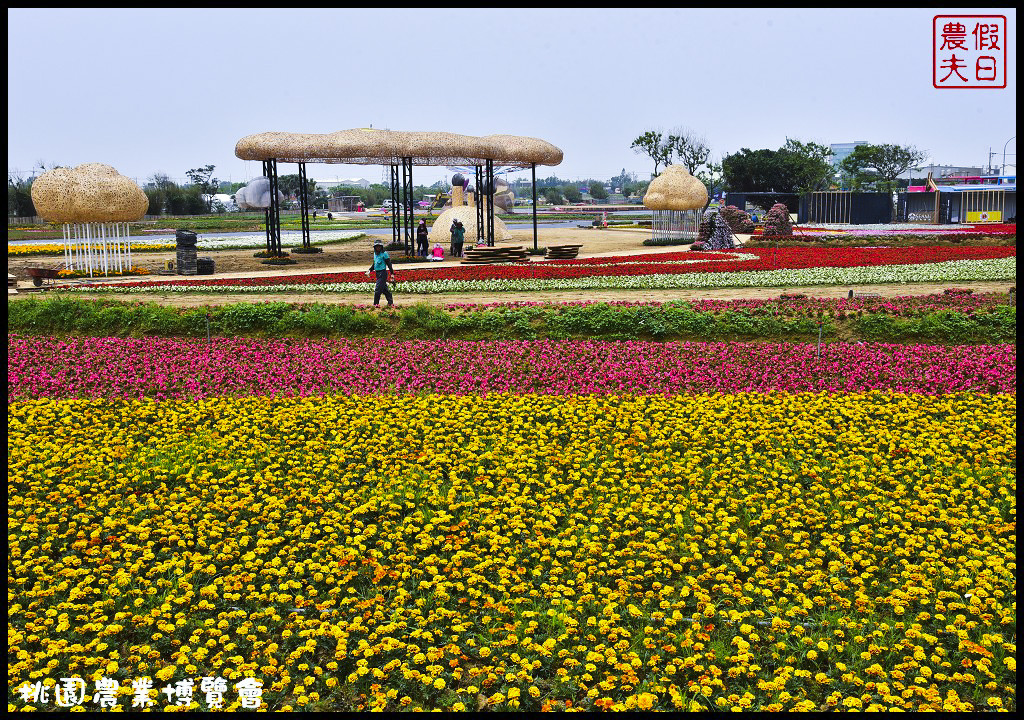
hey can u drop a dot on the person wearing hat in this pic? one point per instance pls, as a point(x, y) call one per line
point(385, 270)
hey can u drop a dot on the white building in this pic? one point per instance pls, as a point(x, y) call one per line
point(347, 182)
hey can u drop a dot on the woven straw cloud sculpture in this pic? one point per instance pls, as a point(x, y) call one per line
point(256, 195)
point(92, 192)
point(365, 146)
point(676, 189)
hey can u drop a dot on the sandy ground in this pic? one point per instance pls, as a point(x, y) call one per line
point(356, 256)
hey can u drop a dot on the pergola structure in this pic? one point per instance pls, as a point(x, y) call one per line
point(400, 151)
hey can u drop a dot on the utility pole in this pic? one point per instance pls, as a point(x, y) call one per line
point(990, 154)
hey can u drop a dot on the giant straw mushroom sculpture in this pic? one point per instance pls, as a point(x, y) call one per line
point(676, 197)
point(94, 203)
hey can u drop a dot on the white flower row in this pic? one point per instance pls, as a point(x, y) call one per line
point(953, 271)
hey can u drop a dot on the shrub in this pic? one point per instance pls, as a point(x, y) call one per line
point(777, 221)
point(738, 220)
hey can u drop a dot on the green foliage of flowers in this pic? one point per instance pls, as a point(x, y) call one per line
point(670, 321)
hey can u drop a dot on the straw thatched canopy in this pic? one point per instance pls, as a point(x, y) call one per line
point(92, 192)
point(366, 146)
point(676, 189)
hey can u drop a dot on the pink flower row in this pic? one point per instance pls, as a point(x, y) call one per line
point(174, 367)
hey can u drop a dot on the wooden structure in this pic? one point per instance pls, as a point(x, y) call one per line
point(483, 255)
point(562, 252)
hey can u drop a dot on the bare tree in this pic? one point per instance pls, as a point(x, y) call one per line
point(691, 149)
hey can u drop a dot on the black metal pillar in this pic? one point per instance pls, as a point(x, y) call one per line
point(408, 219)
point(395, 234)
point(304, 206)
point(266, 211)
point(478, 200)
point(275, 209)
point(533, 178)
point(489, 186)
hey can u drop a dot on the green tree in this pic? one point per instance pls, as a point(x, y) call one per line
point(157, 190)
point(634, 187)
point(713, 179)
point(202, 178)
point(553, 196)
point(598, 191)
point(654, 145)
point(809, 164)
point(19, 198)
point(289, 185)
point(795, 167)
point(878, 166)
point(572, 193)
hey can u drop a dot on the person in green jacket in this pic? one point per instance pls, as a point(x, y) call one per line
point(383, 268)
point(458, 236)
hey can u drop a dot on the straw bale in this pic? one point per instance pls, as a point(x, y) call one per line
point(441, 231)
point(370, 146)
point(676, 189)
point(92, 192)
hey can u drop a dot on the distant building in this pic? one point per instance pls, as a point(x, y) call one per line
point(347, 182)
point(941, 171)
point(841, 151)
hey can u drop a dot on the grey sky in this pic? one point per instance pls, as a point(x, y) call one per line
point(167, 90)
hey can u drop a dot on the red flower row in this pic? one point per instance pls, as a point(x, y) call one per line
point(671, 263)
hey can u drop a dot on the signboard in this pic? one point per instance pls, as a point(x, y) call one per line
point(988, 216)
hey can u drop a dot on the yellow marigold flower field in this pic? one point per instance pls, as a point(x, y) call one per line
point(704, 552)
point(58, 248)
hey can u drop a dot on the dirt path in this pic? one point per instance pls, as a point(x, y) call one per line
point(356, 254)
point(404, 299)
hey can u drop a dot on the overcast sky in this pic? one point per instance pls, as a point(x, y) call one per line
point(168, 90)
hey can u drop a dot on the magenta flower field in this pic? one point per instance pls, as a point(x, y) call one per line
point(187, 368)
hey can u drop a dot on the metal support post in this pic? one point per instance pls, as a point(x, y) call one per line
point(275, 208)
point(490, 203)
point(533, 178)
point(266, 211)
point(304, 206)
point(395, 235)
point(478, 202)
point(408, 219)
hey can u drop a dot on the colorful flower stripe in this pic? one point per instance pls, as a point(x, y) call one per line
point(955, 271)
point(175, 368)
point(763, 552)
point(903, 305)
point(674, 263)
point(58, 248)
